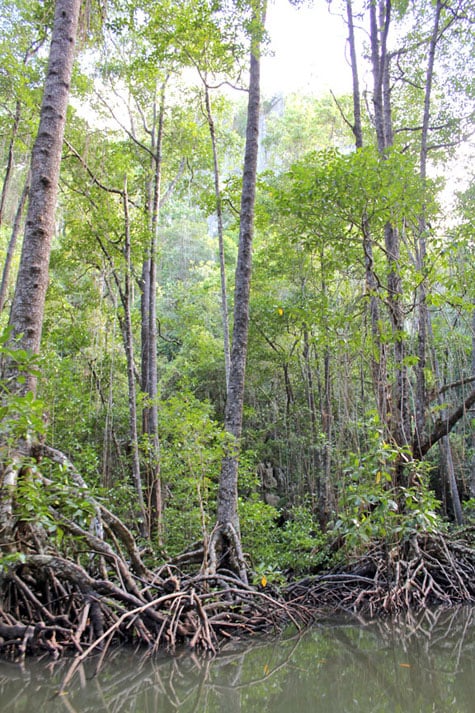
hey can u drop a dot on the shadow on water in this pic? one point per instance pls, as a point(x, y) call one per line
point(339, 666)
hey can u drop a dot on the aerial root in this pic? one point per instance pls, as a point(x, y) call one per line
point(56, 605)
point(422, 572)
point(76, 613)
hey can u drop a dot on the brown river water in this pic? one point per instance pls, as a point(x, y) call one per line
point(338, 666)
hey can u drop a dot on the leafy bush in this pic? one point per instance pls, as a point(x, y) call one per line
point(21, 415)
point(192, 448)
point(40, 501)
point(277, 552)
point(371, 508)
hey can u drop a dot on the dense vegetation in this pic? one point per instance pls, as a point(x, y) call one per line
point(357, 437)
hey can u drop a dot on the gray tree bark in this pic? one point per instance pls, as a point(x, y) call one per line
point(378, 355)
point(397, 417)
point(16, 229)
point(26, 317)
point(149, 322)
point(129, 350)
point(228, 529)
point(219, 216)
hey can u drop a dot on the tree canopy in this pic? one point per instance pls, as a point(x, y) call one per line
point(158, 400)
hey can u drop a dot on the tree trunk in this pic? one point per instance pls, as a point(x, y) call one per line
point(378, 353)
point(17, 223)
point(26, 317)
point(423, 316)
point(397, 417)
point(228, 529)
point(129, 350)
point(149, 326)
point(219, 216)
point(357, 126)
point(424, 319)
point(313, 476)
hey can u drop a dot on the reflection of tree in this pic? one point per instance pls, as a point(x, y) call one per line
point(420, 665)
point(414, 660)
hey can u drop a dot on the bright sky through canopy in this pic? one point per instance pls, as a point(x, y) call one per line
point(308, 48)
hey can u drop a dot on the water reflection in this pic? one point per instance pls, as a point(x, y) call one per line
point(417, 666)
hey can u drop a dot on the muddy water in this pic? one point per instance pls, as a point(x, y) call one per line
point(339, 666)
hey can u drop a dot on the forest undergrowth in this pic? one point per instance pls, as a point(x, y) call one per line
point(95, 588)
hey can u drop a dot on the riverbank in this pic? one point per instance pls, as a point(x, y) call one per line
point(57, 606)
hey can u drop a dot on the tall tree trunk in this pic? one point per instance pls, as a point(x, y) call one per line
point(17, 223)
point(219, 216)
point(378, 353)
point(424, 319)
point(397, 418)
point(228, 530)
point(125, 322)
point(421, 249)
point(129, 351)
point(149, 326)
point(325, 496)
point(357, 126)
point(26, 317)
point(312, 474)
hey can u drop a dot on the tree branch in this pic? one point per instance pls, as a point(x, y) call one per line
point(442, 427)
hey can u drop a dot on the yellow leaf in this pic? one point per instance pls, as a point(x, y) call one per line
point(266, 670)
point(405, 665)
point(280, 311)
point(264, 581)
point(378, 477)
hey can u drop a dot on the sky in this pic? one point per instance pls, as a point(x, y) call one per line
point(308, 46)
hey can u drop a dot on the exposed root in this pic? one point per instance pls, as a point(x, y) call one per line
point(102, 593)
point(422, 572)
point(225, 543)
point(75, 612)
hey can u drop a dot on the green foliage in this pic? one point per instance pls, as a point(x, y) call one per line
point(295, 123)
point(280, 551)
point(192, 448)
point(11, 560)
point(370, 509)
point(329, 193)
point(43, 488)
point(303, 547)
point(469, 511)
point(44, 495)
point(21, 415)
point(259, 532)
